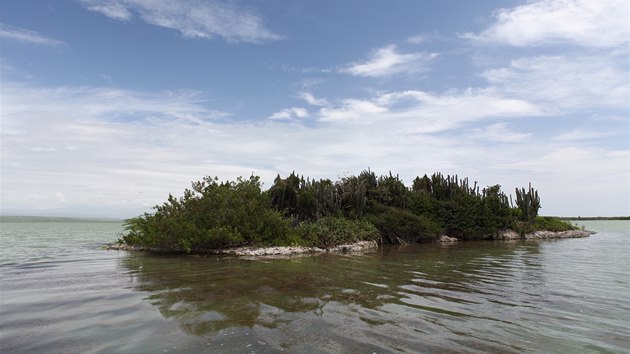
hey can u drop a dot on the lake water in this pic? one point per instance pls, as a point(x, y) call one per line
point(60, 293)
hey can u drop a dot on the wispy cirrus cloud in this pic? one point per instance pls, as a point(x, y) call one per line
point(422, 112)
point(388, 61)
point(192, 18)
point(566, 83)
point(23, 35)
point(290, 113)
point(425, 38)
point(590, 23)
point(418, 39)
point(107, 103)
point(312, 100)
point(498, 132)
point(113, 9)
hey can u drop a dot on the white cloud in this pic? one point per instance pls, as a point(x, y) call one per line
point(27, 36)
point(572, 178)
point(425, 38)
point(107, 103)
point(61, 197)
point(498, 132)
point(566, 83)
point(353, 110)
point(388, 61)
point(113, 9)
point(421, 112)
point(119, 150)
point(418, 39)
point(582, 134)
point(312, 100)
point(590, 23)
point(192, 18)
point(289, 113)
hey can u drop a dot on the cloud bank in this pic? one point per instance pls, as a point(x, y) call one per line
point(535, 116)
point(590, 23)
point(124, 151)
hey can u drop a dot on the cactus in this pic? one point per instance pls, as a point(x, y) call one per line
point(528, 202)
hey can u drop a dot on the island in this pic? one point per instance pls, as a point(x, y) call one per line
point(302, 215)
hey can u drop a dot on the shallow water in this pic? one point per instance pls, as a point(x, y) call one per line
point(61, 293)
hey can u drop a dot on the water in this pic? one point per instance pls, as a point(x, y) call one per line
point(61, 293)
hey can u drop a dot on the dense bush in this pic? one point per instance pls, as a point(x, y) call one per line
point(211, 215)
point(552, 224)
point(323, 213)
point(330, 231)
point(402, 226)
point(466, 219)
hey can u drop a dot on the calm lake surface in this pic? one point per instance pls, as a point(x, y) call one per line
point(59, 292)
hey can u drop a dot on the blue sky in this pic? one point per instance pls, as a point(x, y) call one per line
point(109, 105)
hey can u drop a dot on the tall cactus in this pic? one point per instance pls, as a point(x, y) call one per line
point(528, 202)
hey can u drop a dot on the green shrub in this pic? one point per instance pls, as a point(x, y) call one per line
point(332, 231)
point(401, 226)
point(549, 223)
point(466, 217)
point(211, 215)
point(298, 211)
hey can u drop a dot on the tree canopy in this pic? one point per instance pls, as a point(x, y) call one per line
point(304, 211)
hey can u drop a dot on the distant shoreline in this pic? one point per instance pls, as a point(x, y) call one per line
point(23, 218)
point(593, 217)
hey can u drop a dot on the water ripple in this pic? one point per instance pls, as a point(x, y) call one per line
point(477, 297)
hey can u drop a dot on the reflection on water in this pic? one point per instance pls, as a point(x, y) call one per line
point(546, 296)
point(464, 297)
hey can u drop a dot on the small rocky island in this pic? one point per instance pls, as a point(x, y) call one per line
point(355, 213)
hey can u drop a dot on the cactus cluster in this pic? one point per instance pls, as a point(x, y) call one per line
point(322, 213)
point(447, 187)
point(306, 199)
point(528, 203)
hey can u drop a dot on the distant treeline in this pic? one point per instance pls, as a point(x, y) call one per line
point(323, 213)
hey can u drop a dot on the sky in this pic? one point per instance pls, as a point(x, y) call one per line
point(107, 106)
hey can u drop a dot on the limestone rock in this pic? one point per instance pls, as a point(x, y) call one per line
point(446, 238)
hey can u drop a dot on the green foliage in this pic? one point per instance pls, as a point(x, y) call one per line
point(283, 194)
point(549, 223)
point(422, 203)
point(445, 188)
point(298, 211)
point(422, 185)
point(353, 196)
point(462, 211)
point(466, 217)
point(330, 231)
point(211, 215)
point(398, 226)
point(392, 192)
point(528, 202)
point(305, 199)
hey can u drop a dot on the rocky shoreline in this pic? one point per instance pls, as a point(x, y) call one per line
point(357, 247)
point(540, 235)
point(536, 235)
